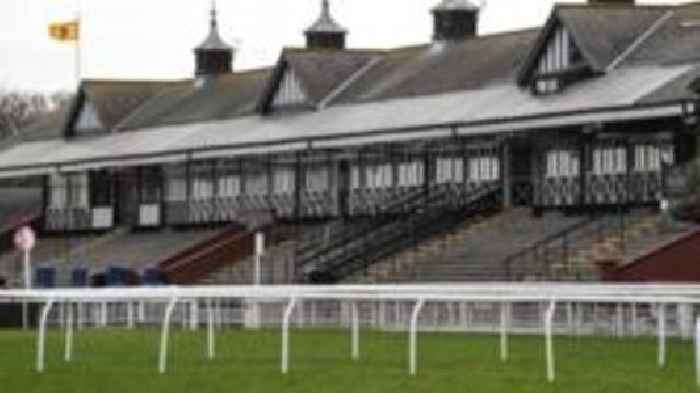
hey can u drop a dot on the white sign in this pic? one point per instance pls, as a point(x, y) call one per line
point(25, 239)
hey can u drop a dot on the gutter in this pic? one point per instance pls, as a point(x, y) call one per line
point(472, 128)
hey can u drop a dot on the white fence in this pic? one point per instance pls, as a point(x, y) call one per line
point(501, 308)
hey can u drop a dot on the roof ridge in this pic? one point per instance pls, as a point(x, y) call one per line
point(614, 5)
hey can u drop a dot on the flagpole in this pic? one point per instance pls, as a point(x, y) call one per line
point(78, 49)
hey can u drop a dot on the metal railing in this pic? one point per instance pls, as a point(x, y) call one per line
point(433, 216)
point(552, 258)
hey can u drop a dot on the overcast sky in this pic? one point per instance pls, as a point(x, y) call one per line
point(153, 39)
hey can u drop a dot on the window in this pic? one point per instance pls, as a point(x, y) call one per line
point(58, 192)
point(610, 161)
point(284, 181)
point(317, 179)
point(648, 158)
point(450, 170)
point(484, 169)
point(411, 174)
point(355, 181)
point(563, 163)
point(78, 191)
point(202, 188)
point(229, 186)
point(379, 176)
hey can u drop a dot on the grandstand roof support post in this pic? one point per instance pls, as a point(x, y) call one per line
point(506, 314)
point(549, 321)
point(506, 177)
point(211, 343)
point(285, 334)
point(413, 339)
point(41, 339)
point(661, 325)
point(355, 331)
point(68, 352)
point(164, 336)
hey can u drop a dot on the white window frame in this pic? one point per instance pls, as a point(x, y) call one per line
point(610, 161)
point(379, 176)
point(483, 169)
point(411, 174)
point(283, 181)
point(449, 170)
point(229, 186)
point(563, 163)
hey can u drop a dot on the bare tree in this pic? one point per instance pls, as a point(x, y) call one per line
point(19, 109)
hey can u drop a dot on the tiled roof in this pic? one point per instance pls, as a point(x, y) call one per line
point(209, 98)
point(442, 67)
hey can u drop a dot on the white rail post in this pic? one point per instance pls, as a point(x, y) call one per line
point(211, 344)
point(549, 319)
point(68, 354)
point(635, 326)
point(412, 350)
point(505, 322)
point(194, 315)
point(130, 315)
point(42, 335)
point(165, 332)
point(79, 315)
point(142, 311)
point(697, 352)
point(285, 334)
point(355, 331)
point(620, 326)
point(103, 314)
point(661, 319)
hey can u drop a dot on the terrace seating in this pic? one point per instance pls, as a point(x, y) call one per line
point(473, 251)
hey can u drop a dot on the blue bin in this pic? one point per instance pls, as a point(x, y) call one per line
point(152, 277)
point(45, 278)
point(116, 277)
point(80, 278)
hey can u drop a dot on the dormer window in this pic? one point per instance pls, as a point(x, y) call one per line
point(560, 63)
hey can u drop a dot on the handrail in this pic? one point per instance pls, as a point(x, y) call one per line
point(418, 200)
point(566, 237)
point(400, 233)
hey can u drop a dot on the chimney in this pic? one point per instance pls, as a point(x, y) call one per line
point(455, 20)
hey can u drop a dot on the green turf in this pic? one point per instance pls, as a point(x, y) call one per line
point(126, 361)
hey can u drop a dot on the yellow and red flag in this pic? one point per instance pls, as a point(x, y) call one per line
point(65, 31)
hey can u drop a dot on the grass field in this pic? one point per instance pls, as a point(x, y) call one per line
point(126, 362)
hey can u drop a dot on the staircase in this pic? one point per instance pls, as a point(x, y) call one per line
point(473, 251)
point(425, 216)
point(600, 243)
point(644, 232)
point(195, 263)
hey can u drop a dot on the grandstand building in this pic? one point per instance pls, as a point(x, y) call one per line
point(523, 155)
